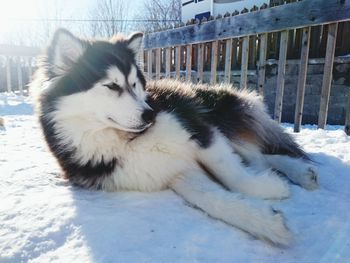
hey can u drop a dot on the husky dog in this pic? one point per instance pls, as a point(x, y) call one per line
point(214, 146)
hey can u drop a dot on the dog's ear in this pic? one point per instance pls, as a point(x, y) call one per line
point(135, 41)
point(64, 51)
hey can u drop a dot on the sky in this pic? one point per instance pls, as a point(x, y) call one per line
point(18, 27)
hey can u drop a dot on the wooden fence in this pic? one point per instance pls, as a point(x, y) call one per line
point(241, 41)
point(17, 63)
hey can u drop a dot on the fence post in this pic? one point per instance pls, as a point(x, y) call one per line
point(149, 63)
point(347, 119)
point(327, 75)
point(8, 74)
point(19, 75)
point(167, 62)
point(228, 62)
point(188, 62)
point(177, 61)
point(262, 64)
point(158, 63)
point(281, 76)
point(200, 62)
point(214, 62)
point(298, 115)
point(244, 64)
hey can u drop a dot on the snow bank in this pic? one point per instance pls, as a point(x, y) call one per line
point(44, 219)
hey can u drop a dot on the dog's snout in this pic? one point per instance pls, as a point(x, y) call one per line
point(148, 115)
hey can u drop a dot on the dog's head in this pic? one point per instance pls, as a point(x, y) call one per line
point(99, 79)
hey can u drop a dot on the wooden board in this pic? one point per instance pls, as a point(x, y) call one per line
point(177, 61)
point(244, 67)
point(214, 62)
point(188, 62)
point(302, 78)
point(200, 57)
point(281, 76)
point(167, 62)
point(262, 63)
point(158, 63)
point(149, 63)
point(327, 75)
point(295, 15)
point(228, 61)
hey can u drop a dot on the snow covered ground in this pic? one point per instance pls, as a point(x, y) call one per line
point(44, 219)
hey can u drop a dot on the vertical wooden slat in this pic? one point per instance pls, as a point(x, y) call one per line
point(302, 79)
point(347, 118)
point(200, 62)
point(19, 76)
point(188, 62)
point(177, 61)
point(214, 62)
point(244, 64)
point(327, 75)
point(262, 64)
point(149, 63)
point(158, 63)
point(8, 74)
point(167, 62)
point(281, 75)
point(228, 56)
point(30, 71)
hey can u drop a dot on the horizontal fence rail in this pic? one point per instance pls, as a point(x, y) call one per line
point(233, 49)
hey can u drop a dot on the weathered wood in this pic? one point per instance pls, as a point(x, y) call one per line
point(188, 62)
point(19, 76)
point(327, 75)
point(149, 63)
point(214, 62)
point(30, 71)
point(8, 74)
point(22, 51)
point(158, 63)
point(228, 56)
point(302, 79)
point(262, 63)
point(244, 64)
point(281, 76)
point(200, 56)
point(347, 119)
point(294, 15)
point(167, 62)
point(177, 61)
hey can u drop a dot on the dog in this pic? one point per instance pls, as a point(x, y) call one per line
point(214, 146)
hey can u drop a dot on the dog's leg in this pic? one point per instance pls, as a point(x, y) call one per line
point(299, 171)
point(227, 167)
point(245, 213)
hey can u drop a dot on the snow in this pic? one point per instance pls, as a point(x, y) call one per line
point(44, 219)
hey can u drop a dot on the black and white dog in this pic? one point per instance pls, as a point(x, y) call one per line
point(213, 145)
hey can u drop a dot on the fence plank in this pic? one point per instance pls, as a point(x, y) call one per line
point(228, 61)
point(269, 20)
point(8, 74)
point(262, 64)
point(214, 62)
point(177, 61)
point(19, 76)
point(327, 75)
point(302, 79)
point(244, 67)
point(149, 63)
point(347, 119)
point(158, 63)
point(167, 62)
point(281, 75)
point(200, 58)
point(188, 62)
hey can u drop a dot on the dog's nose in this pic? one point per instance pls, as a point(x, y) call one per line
point(148, 115)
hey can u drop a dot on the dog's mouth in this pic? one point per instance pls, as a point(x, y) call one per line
point(136, 129)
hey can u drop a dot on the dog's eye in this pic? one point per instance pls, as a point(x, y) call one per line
point(134, 85)
point(114, 86)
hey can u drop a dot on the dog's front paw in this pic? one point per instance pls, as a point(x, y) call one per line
point(310, 179)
